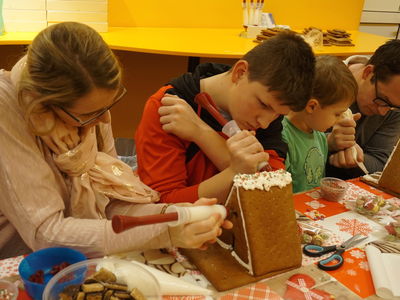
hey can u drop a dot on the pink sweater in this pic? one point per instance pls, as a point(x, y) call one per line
point(34, 195)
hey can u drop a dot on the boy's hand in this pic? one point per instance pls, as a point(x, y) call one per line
point(345, 158)
point(199, 234)
point(343, 134)
point(177, 117)
point(246, 152)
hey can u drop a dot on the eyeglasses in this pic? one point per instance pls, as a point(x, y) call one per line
point(98, 114)
point(383, 102)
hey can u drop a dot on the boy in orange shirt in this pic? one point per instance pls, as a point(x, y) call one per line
point(176, 147)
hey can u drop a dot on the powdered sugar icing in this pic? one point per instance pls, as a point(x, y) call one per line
point(262, 180)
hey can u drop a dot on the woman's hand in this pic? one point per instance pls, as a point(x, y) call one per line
point(201, 233)
point(62, 138)
point(178, 117)
point(246, 152)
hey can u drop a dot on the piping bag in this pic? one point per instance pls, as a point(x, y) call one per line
point(228, 128)
point(174, 215)
point(349, 115)
point(169, 285)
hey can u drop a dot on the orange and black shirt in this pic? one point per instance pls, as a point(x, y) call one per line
point(175, 167)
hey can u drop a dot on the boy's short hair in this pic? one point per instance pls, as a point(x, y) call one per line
point(333, 81)
point(284, 63)
point(386, 61)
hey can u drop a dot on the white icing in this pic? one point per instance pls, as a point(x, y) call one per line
point(348, 114)
point(224, 245)
point(250, 265)
point(374, 177)
point(262, 180)
point(240, 261)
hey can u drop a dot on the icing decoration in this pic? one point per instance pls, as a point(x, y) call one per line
point(262, 180)
point(354, 226)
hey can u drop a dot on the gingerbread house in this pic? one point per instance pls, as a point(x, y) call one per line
point(388, 180)
point(264, 240)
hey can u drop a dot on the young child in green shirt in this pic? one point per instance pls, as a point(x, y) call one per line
point(334, 90)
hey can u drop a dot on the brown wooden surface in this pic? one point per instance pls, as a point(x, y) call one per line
point(222, 269)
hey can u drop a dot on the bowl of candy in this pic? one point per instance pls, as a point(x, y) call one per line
point(103, 278)
point(37, 269)
point(393, 228)
point(8, 290)
point(333, 189)
point(369, 205)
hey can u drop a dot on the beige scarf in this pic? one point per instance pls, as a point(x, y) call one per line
point(96, 177)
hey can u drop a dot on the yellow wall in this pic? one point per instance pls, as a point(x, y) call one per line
point(326, 14)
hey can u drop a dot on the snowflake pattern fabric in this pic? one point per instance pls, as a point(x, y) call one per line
point(354, 226)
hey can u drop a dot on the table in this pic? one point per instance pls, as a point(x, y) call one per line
point(353, 280)
point(198, 42)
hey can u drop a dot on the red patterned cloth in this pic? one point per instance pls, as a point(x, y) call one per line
point(9, 266)
point(256, 291)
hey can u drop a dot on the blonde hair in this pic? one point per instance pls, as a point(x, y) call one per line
point(65, 62)
point(333, 81)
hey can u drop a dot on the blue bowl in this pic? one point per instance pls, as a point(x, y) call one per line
point(45, 260)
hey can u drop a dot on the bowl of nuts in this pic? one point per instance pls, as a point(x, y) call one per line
point(37, 269)
point(333, 189)
point(103, 279)
point(8, 290)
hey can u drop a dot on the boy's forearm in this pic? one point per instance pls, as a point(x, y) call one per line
point(214, 147)
point(217, 186)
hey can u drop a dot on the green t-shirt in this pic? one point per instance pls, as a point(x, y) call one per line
point(306, 156)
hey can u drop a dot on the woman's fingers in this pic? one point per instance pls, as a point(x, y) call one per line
point(49, 142)
point(227, 224)
point(205, 201)
point(68, 141)
point(204, 226)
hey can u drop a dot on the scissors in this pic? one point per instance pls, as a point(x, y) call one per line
point(336, 258)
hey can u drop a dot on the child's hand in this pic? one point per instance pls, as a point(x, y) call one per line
point(178, 117)
point(199, 234)
point(345, 158)
point(343, 134)
point(246, 152)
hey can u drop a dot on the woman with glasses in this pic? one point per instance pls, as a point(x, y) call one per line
point(60, 181)
point(376, 128)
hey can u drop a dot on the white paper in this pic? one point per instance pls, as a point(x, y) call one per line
point(385, 271)
point(173, 286)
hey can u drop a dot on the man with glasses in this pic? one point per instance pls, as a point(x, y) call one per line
point(376, 125)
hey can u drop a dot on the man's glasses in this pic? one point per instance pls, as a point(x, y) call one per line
point(383, 102)
point(98, 114)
